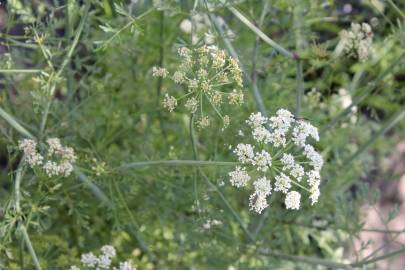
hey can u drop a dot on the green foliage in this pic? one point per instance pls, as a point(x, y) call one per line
point(83, 73)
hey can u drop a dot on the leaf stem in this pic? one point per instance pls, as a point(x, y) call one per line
point(198, 163)
point(262, 35)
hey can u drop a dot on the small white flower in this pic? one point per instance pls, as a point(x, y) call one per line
point(262, 186)
point(186, 26)
point(357, 42)
point(104, 261)
point(125, 266)
point(258, 202)
point(239, 177)
point(314, 178)
point(262, 160)
point(169, 102)
point(191, 104)
point(31, 155)
point(282, 121)
point(245, 153)
point(179, 77)
point(256, 120)
point(292, 200)
point(283, 183)
point(314, 194)
point(302, 130)
point(74, 267)
point(51, 168)
point(288, 161)
point(261, 135)
point(210, 223)
point(283, 155)
point(315, 158)
point(108, 251)
point(159, 72)
point(203, 122)
point(89, 259)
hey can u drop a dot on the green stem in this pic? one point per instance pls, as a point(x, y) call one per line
point(192, 138)
point(198, 163)
point(308, 260)
point(138, 236)
point(66, 60)
point(21, 70)
point(30, 248)
point(13, 122)
point(262, 35)
point(17, 186)
point(394, 6)
point(93, 188)
point(231, 50)
point(300, 88)
point(380, 258)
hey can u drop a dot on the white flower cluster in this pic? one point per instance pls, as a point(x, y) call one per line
point(211, 223)
point(104, 261)
point(209, 77)
point(357, 42)
point(59, 158)
point(281, 151)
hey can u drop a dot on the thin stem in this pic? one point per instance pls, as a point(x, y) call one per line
point(308, 260)
point(93, 188)
point(21, 71)
point(138, 236)
point(300, 88)
point(198, 163)
point(262, 35)
point(230, 208)
point(13, 122)
point(192, 138)
point(394, 6)
point(299, 46)
point(17, 190)
point(380, 258)
point(61, 69)
point(160, 63)
point(256, 92)
point(29, 246)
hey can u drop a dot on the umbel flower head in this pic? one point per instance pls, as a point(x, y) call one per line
point(58, 161)
point(278, 158)
point(357, 42)
point(209, 77)
point(103, 261)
